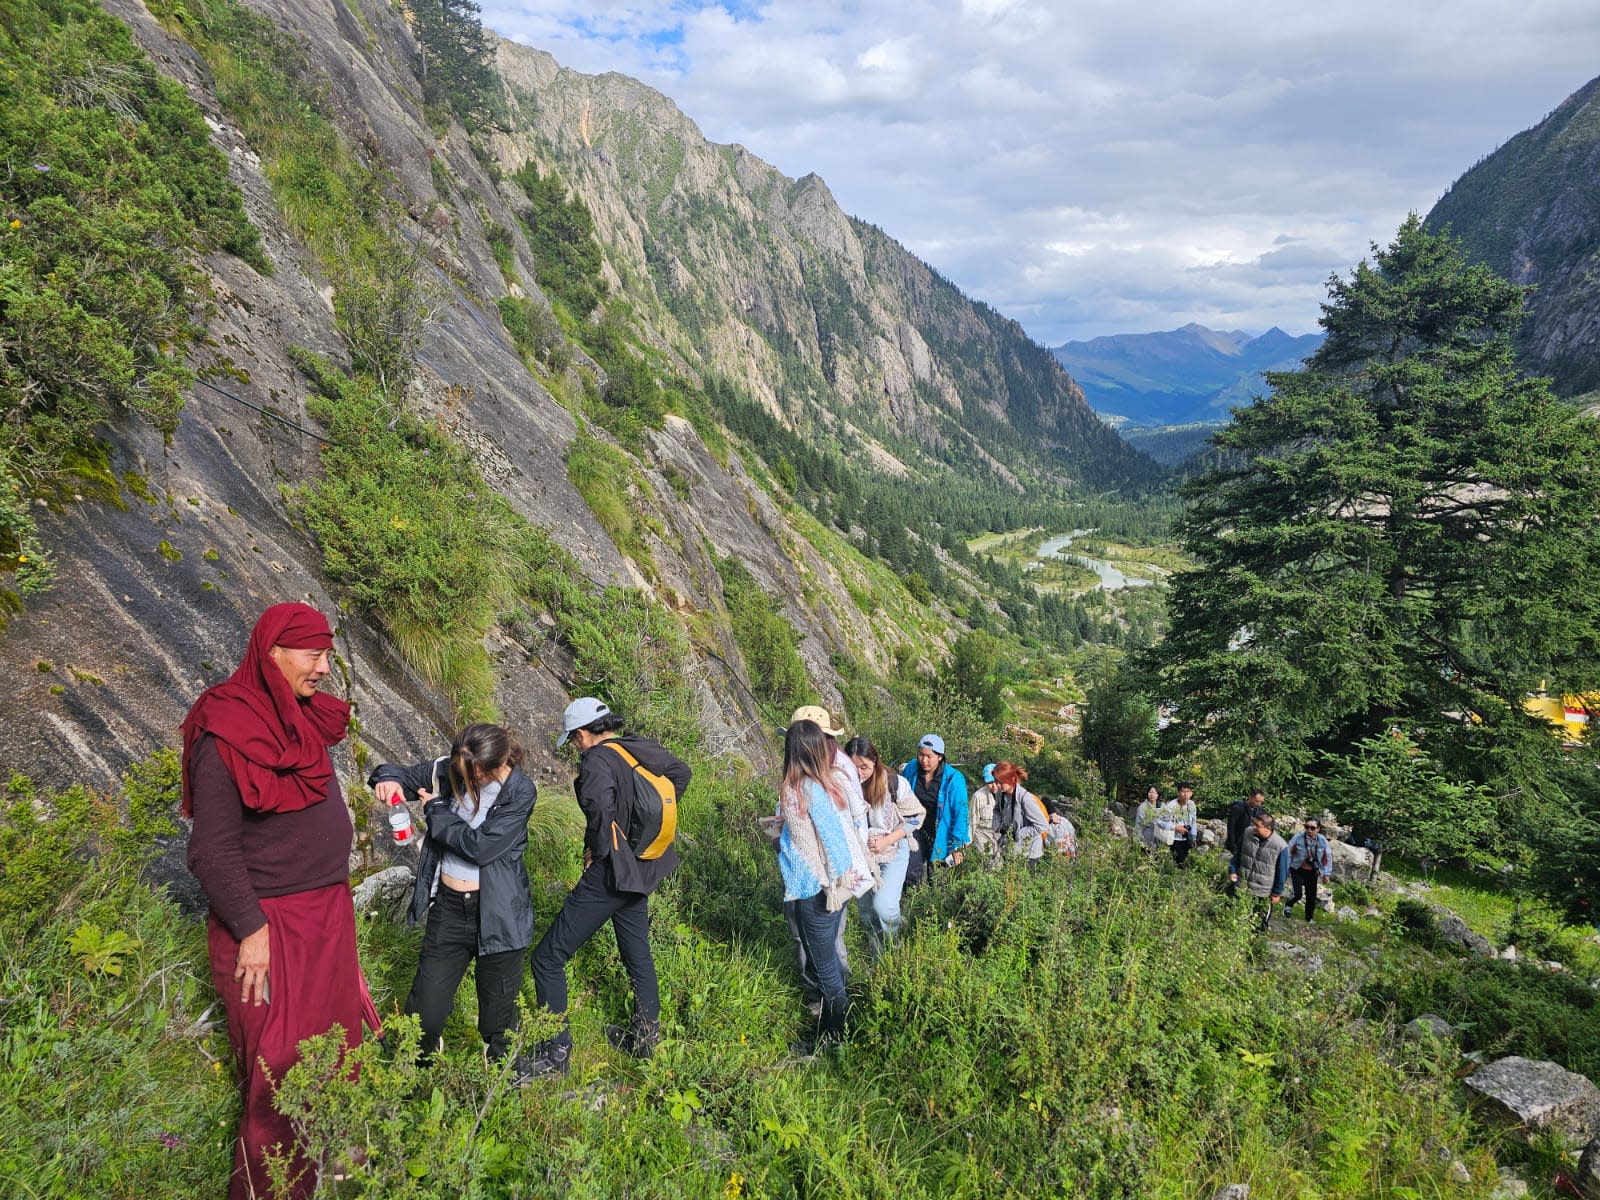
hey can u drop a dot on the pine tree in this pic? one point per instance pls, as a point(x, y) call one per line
point(457, 67)
point(1405, 532)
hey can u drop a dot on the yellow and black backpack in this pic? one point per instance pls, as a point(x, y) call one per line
point(652, 812)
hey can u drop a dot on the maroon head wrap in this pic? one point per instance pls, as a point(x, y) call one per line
point(273, 743)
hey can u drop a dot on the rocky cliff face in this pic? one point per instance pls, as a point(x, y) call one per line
point(1530, 211)
point(738, 270)
point(763, 279)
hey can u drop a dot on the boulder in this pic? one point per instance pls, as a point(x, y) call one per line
point(1234, 1191)
point(1508, 1186)
point(384, 890)
point(1116, 826)
point(1350, 862)
point(1429, 1024)
point(1588, 1179)
point(1509, 954)
point(1454, 930)
point(1538, 1097)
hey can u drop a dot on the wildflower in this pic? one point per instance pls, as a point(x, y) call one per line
point(15, 223)
point(170, 1140)
point(41, 168)
point(734, 1187)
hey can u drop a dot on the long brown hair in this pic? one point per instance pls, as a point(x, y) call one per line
point(478, 752)
point(874, 789)
point(806, 756)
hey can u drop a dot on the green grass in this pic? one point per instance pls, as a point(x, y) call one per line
point(1488, 903)
point(1106, 1028)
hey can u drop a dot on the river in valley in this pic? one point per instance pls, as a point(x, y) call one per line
point(1112, 576)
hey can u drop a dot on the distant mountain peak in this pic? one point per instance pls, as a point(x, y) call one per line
point(1182, 375)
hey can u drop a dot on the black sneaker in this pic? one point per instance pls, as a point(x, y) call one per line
point(548, 1063)
point(638, 1040)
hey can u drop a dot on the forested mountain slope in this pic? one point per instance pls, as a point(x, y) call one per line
point(409, 380)
point(763, 279)
point(1531, 211)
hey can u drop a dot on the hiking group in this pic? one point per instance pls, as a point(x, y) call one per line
point(272, 837)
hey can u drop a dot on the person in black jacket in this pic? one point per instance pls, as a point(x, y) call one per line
point(1241, 816)
point(615, 885)
point(472, 886)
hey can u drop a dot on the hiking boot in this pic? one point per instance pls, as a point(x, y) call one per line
point(549, 1062)
point(638, 1040)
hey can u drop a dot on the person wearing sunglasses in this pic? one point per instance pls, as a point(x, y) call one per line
point(1309, 860)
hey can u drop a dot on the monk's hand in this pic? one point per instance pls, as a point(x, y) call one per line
point(251, 969)
point(388, 792)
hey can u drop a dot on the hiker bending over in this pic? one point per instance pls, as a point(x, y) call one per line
point(619, 873)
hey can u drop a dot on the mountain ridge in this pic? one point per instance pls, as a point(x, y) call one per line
point(1528, 210)
point(1179, 376)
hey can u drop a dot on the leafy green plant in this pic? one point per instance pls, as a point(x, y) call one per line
point(606, 477)
point(408, 526)
point(99, 950)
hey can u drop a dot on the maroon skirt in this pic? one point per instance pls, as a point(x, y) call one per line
point(315, 983)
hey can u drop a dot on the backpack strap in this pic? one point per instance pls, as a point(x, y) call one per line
point(618, 747)
point(633, 764)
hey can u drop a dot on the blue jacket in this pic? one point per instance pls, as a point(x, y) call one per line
point(951, 832)
point(1317, 853)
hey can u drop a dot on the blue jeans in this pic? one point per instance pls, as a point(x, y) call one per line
point(880, 909)
point(818, 930)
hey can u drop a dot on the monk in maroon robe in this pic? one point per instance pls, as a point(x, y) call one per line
point(271, 846)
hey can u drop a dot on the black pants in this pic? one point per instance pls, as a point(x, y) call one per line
point(449, 945)
point(1180, 851)
point(587, 907)
point(1305, 881)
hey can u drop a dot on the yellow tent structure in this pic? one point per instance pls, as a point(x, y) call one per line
point(1567, 713)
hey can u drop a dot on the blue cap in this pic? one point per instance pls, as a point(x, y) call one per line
point(932, 741)
point(988, 772)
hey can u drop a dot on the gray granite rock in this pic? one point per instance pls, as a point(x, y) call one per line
point(1456, 932)
point(384, 890)
point(1588, 1179)
point(1429, 1023)
point(1538, 1097)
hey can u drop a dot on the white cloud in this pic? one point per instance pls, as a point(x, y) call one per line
point(1113, 165)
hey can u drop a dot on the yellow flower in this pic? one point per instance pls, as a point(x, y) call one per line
point(15, 223)
point(735, 1187)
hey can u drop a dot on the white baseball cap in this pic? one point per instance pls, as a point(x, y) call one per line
point(585, 710)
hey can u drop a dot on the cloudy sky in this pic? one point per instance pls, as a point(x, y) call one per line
point(1104, 166)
